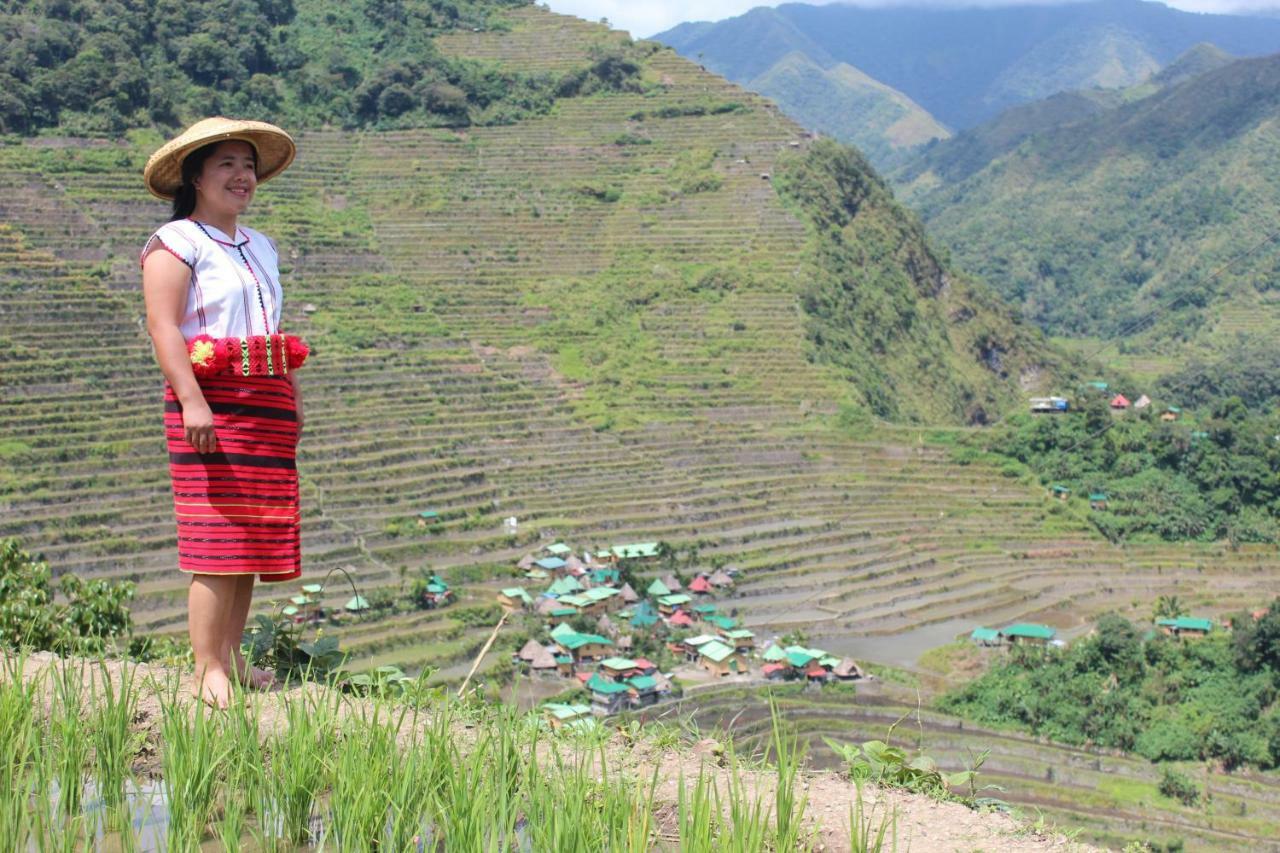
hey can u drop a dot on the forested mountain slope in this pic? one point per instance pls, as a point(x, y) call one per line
point(1088, 224)
point(961, 66)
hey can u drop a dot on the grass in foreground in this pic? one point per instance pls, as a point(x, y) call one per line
point(317, 767)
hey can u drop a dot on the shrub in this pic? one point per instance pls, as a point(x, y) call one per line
point(1178, 786)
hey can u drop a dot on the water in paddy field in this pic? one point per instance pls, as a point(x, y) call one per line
point(902, 649)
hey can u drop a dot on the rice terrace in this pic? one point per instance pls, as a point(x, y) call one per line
point(664, 485)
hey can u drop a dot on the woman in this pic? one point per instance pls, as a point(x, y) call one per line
point(233, 409)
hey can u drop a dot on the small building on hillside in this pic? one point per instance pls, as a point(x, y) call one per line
point(690, 646)
point(742, 640)
point(1098, 500)
point(604, 577)
point(718, 659)
point(436, 593)
point(720, 579)
point(985, 636)
point(560, 715)
point(635, 551)
point(1049, 405)
point(559, 549)
point(1171, 413)
point(561, 615)
point(1029, 633)
point(672, 583)
point(1060, 491)
point(607, 696)
point(1120, 402)
point(1142, 402)
point(1185, 626)
point(356, 604)
point(643, 615)
point(428, 517)
point(847, 670)
point(642, 691)
point(722, 623)
point(515, 598)
point(628, 594)
point(668, 604)
point(700, 585)
point(586, 646)
point(657, 589)
point(617, 668)
point(680, 619)
point(551, 564)
point(564, 586)
point(703, 612)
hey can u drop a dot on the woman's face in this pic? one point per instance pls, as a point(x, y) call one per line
point(229, 177)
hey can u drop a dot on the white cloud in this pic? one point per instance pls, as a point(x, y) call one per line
point(644, 18)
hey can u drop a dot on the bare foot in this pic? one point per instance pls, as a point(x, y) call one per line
point(214, 689)
point(252, 676)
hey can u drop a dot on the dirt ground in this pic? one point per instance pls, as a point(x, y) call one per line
point(919, 822)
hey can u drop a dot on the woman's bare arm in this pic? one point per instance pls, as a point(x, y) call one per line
point(165, 281)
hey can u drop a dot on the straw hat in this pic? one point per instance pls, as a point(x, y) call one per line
point(274, 147)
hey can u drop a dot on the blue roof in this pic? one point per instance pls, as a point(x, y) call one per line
point(550, 563)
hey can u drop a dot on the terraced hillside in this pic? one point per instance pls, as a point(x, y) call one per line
point(1112, 799)
point(591, 321)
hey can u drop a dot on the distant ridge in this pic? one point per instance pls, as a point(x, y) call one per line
point(965, 66)
point(1088, 209)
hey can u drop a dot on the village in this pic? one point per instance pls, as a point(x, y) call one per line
point(630, 650)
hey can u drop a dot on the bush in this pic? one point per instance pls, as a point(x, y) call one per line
point(1178, 786)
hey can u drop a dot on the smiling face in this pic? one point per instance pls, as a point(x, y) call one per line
point(226, 184)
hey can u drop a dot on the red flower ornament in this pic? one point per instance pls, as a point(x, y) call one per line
point(297, 350)
point(205, 356)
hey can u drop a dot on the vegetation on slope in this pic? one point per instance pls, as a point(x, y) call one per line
point(94, 67)
point(1090, 225)
point(1211, 478)
point(916, 342)
point(1211, 698)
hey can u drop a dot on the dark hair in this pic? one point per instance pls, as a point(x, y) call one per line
point(184, 201)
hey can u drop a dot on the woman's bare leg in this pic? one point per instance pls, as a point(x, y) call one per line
point(251, 676)
point(209, 600)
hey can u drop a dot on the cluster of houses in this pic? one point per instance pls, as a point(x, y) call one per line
point(591, 587)
point(305, 607)
point(1029, 633)
point(1119, 403)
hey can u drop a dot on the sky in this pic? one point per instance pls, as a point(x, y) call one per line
point(643, 18)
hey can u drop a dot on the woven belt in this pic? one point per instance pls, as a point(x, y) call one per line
point(256, 355)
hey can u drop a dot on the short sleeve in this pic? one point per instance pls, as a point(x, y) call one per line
point(171, 239)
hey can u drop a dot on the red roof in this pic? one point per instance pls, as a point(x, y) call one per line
point(584, 677)
point(1119, 401)
point(680, 618)
point(770, 668)
point(645, 663)
point(815, 671)
point(700, 584)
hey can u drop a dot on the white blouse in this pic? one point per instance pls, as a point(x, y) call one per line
point(235, 283)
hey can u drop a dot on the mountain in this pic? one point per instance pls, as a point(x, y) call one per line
point(1090, 211)
point(964, 66)
point(842, 101)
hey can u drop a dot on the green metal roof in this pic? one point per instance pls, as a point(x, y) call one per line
point(799, 658)
point(1098, 496)
point(639, 549)
point(559, 549)
point(740, 634)
point(428, 514)
point(549, 563)
point(643, 682)
point(357, 602)
point(829, 661)
point(1186, 623)
point(577, 641)
point(517, 592)
point(290, 610)
point(600, 593)
point(565, 712)
point(985, 635)
point(596, 684)
point(773, 654)
point(564, 611)
point(312, 588)
point(300, 600)
point(576, 600)
point(724, 622)
point(657, 589)
point(560, 631)
point(706, 609)
point(699, 640)
point(1030, 630)
point(675, 600)
point(618, 663)
point(715, 650)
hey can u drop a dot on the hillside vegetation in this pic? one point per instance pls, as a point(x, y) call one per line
point(961, 66)
point(1093, 223)
point(1209, 698)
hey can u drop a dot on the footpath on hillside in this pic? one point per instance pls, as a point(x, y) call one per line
point(640, 759)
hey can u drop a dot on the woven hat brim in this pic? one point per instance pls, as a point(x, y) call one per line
point(275, 151)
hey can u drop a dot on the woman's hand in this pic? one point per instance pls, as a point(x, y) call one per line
point(197, 424)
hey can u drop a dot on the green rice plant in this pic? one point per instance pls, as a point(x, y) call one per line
point(749, 815)
point(699, 814)
point(788, 803)
point(69, 741)
point(19, 751)
point(364, 756)
point(192, 759)
point(866, 835)
point(300, 753)
point(115, 743)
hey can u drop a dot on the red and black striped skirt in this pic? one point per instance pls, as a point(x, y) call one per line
point(237, 507)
